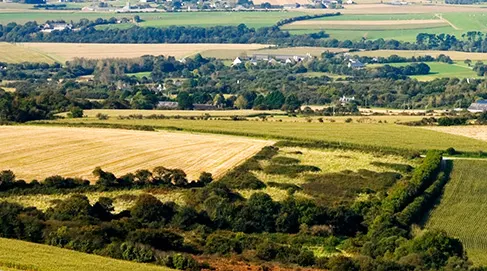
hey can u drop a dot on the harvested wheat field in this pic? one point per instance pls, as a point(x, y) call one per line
point(68, 51)
point(11, 53)
point(33, 152)
point(474, 131)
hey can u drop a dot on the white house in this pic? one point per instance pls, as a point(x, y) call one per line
point(237, 61)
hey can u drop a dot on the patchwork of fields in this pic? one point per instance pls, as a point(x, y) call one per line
point(375, 134)
point(40, 152)
point(30, 256)
point(461, 211)
point(67, 51)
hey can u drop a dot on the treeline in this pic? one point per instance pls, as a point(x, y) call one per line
point(304, 18)
point(29, 32)
point(399, 59)
point(141, 179)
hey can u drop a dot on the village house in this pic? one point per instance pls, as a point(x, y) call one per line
point(478, 106)
point(49, 27)
point(345, 100)
point(355, 64)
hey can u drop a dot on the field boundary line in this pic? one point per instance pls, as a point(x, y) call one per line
point(448, 22)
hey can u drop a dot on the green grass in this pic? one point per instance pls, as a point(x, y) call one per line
point(386, 135)
point(202, 19)
point(462, 208)
point(442, 70)
point(21, 255)
point(140, 74)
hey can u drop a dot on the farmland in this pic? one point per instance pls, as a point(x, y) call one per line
point(17, 54)
point(457, 56)
point(476, 132)
point(442, 70)
point(41, 152)
point(462, 207)
point(203, 19)
point(22, 255)
point(67, 51)
point(375, 134)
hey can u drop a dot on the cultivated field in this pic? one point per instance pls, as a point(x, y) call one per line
point(186, 113)
point(20, 255)
point(232, 54)
point(12, 53)
point(67, 51)
point(462, 208)
point(476, 132)
point(39, 152)
point(161, 19)
point(376, 134)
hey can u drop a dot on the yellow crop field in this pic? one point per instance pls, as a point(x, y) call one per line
point(12, 53)
point(20, 255)
point(67, 51)
point(473, 131)
point(38, 152)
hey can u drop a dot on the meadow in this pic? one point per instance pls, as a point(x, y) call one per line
point(374, 134)
point(331, 163)
point(185, 113)
point(461, 210)
point(160, 19)
point(456, 56)
point(441, 70)
point(39, 152)
point(473, 131)
point(20, 255)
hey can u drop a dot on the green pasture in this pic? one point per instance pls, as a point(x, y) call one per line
point(379, 17)
point(374, 134)
point(441, 70)
point(461, 210)
point(203, 19)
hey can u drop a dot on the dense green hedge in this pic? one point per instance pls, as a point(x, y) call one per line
point(423, 177)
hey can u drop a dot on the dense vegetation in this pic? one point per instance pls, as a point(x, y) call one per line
point(217, 220)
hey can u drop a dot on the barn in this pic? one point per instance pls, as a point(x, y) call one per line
point(478, 106)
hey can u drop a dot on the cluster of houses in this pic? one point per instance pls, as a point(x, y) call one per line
point(49, 27)
point(272, 59)
point(175, 105)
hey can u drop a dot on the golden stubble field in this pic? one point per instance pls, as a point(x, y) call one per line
point(473, 131)
point(68, 51)
point(33, 152)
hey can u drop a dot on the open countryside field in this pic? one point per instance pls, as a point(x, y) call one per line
point(441, 70)
point(186, 113)
point(400, 26)
point(160, 19)
point(476, 132)
point(375, 134)
point(232, 54)
point(11, 53)
point(39, 152)
point(461, 211)
point(30, 256)
point(67, 51)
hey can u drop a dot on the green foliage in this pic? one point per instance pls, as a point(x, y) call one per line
point(281, 160)
point(149, 210)
point(398, 167)
point(75, 112)
point(289, 170)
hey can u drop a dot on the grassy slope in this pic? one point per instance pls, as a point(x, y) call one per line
point(48, 258)
point(389, 135)
point(462, 208)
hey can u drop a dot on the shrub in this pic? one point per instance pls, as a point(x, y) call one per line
point(184, 262)
point(280, 160)
point(289, 170)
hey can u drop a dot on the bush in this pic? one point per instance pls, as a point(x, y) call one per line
point(289, 170)
point(184, 262)
point(280, 160)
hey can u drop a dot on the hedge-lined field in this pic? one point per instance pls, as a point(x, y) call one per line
point(462, 208)
point(20, 255)
point(373, 134)
point(39, 152)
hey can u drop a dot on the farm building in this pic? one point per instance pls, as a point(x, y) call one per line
point(281, 58)
point(355, 64)
point(478, 106)
point(49, 27)
point(236, 61)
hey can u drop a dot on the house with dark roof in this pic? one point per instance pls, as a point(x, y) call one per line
point(355, 64)
point(478, 106)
